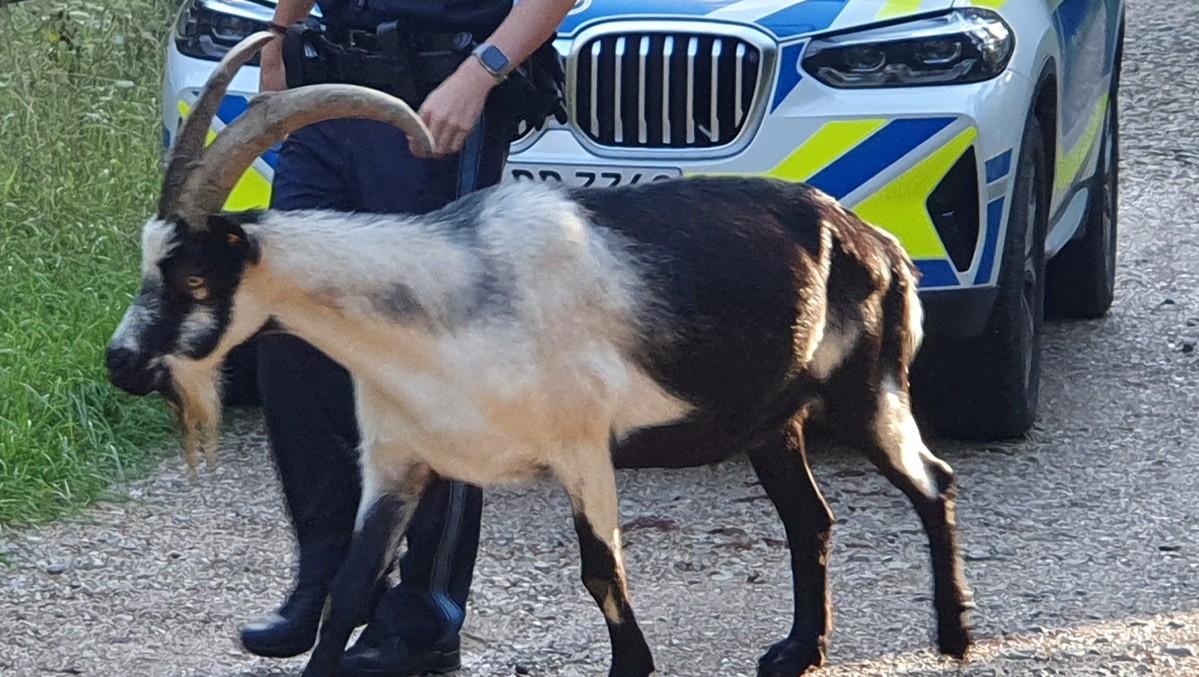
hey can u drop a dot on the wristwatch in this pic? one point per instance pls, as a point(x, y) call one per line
point(493, 60)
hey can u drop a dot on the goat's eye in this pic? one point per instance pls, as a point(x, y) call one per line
point(198, 287)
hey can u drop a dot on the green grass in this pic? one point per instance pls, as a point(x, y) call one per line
point(79, 152)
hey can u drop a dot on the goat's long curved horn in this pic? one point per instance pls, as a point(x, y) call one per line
point(189, 143)
point(268, 120)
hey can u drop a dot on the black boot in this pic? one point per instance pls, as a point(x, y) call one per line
point(308, 404)
point(394, 657)
point(415, 627)
point(408, 635)
point(291, 629)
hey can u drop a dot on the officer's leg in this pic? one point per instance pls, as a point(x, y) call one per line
point(417, 623)
point(309, 410)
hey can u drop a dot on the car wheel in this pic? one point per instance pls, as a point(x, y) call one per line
point(986, 387)
point(1082, 277)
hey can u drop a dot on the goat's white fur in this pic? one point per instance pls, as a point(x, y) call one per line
point(198, 323)
point(496, 398)
point(156, 239)
point(900, 438)
point(137, 317)
point(156, 245)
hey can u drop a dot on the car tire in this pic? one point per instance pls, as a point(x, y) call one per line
point(1082, 277)
point(987, 387)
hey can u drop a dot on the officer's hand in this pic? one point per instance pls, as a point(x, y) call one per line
point(271, 75)
point(452, 110)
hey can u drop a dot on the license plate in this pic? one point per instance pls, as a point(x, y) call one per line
point(586, 176)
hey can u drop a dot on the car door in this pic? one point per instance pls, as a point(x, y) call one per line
point(1085, 30)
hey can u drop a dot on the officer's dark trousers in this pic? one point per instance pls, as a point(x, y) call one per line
point(355, 165)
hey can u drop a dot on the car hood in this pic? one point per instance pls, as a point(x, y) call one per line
point(786, 19)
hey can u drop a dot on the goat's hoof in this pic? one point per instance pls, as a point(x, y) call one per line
point(953, 626)
point(789, 658)
point(954, 640)
point(632, 669)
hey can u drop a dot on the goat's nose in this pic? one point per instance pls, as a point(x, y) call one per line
point(119, 360)
point(127, 371)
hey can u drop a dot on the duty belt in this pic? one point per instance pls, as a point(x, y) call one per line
point(402, 64)
point(410, 65)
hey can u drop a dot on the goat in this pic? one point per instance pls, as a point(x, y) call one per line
point(530, 330)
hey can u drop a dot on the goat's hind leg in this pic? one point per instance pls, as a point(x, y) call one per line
point(592, 491)
point(894, 445)
point(383, 516)
point(781, 464)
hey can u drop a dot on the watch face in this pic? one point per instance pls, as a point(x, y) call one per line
point(494, 59)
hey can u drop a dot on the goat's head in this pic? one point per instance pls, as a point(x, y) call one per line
point(187, 316)
point(194, 305)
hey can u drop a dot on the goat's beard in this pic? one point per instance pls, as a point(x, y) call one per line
point(195, 396)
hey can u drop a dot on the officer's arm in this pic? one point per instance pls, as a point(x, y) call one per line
point(453, 109)
point(287, 12)
point(528, 25)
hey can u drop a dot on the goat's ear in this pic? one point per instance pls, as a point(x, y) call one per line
point(231, 231)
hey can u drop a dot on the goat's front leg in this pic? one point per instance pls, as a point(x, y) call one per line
point(388, 503)
point(591, 485)
point(781, 464)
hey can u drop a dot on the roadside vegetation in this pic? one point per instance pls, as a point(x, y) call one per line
point(79, 153)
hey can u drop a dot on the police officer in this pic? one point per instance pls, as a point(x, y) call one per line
point(357, 165)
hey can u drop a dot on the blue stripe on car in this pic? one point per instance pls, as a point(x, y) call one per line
point(1113, 19)
point(1070, 20)
point(790, 72)
point(936, 273)
point(999, 166)
point(991, 241)
point(626, 9)
point(804, 17)
point(881, 150)
point(234, 106)
point(231, 107)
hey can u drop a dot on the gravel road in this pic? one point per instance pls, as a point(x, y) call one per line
point(1082, 541)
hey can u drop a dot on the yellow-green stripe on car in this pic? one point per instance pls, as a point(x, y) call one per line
point(843, 155)
point(900, 207)
point(829, 142)
point(1070, 163)
point(897, 8)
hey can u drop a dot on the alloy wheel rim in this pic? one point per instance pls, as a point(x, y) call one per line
point(1031, 283)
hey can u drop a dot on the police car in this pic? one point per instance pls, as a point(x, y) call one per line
point(982, 133)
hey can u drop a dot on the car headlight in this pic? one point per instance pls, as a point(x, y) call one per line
point(204, 32)
point(966, 45)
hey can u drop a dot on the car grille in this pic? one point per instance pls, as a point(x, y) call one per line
point(664, 90)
